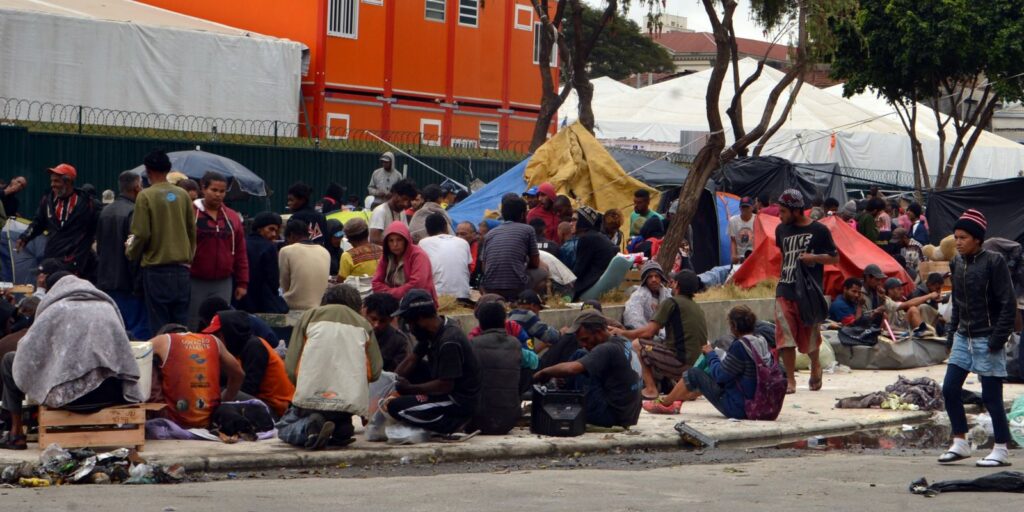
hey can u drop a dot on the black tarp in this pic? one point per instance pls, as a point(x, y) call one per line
point(705, 242)
point(752, 176)
point(1000, 201)
point(656, 173)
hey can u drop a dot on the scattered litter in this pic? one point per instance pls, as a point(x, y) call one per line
point(58, 466)
point(730, 469)
point(406, 460)
point(908, 428)
point(905, 395)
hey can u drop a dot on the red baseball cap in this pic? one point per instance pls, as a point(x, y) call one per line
point(547, 189)
point(65, 170)
point(214, 325)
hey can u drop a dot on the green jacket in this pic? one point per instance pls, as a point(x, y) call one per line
point(867, 226)
point(163, 227)
point(331, 313)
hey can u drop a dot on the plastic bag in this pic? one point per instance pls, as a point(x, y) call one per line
point(1016, 417)
point(400, 433)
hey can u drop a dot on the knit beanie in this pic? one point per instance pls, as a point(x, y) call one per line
point(973, 222)
point(587, 218)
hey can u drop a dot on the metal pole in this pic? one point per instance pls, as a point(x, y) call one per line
point(417, 160)
point(79, 119)
point(275, 133)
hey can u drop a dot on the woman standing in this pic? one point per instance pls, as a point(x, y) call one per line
point(221, 263)
point(983, 314)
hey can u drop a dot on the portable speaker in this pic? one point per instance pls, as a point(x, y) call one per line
point(558, 413)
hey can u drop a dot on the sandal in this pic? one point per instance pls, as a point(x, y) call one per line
point(949, 457)
point(656, 406)
point(15, 442)
point(992, 463)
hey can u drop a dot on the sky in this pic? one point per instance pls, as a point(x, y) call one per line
point(697, 19)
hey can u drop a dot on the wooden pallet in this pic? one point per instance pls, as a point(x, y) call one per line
point(118, 426)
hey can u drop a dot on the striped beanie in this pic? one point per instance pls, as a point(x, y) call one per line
point(973, 222)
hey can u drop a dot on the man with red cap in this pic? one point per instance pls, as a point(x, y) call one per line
point(69, 216)
point(546, 211)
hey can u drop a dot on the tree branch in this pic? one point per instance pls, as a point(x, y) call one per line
point(782, 118)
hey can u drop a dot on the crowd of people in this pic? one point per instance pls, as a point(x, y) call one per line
point(173, 264)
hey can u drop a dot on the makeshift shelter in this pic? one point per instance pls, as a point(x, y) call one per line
point(855, 253)
point(1000, 201)
point(657, 173)
point(772, 175)
point(473, 207)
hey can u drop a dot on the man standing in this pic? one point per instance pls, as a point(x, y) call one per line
point(741, 231)
point(867, 221)
point(69, 216)
point(164, 238)
point(509, 258)
point(398, 200)
point(806, 243)
point(641, 211)
point(918, 227)
point(546, 210)
point(450, 258)
point(431, 205)
point(220, 267)
point(116, 276)
point(383, 179)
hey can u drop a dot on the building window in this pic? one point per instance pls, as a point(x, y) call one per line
point(338, 126)
point(524, 17)
point(374, 2)
point(430, 132)
point(469, 11)
point(489, 135)
point(435, 10)
point(537, 27)
point(343, 18)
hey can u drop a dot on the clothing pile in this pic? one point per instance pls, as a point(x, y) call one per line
point(58, 466)
point(1004, 481)
point(909, 395)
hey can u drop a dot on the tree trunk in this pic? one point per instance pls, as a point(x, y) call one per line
point(550, 101)
point(582, 46)
point(983, 120)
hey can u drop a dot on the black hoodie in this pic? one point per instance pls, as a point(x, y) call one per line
point(236, 332)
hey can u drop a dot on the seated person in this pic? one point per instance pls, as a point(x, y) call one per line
point(606, 371)
point(265, 378)
point(333, 383)
point(644, 302)
point(904, 315)
point(187, 370)
point(76, 354)
point(403, 265)
point(511, 327)
point(502, 377)
point(304, 266)
point(930, 310)
point(361, 260)
point(260, 328)
point(730, 380)
point(527, 315)
point(594, 251)
point(394, 344)
point(439, 383)
point(848, 308)
point(686, 332)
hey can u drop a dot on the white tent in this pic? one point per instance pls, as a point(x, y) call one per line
point(603, 87)
point(128, 56)
point(820, 128)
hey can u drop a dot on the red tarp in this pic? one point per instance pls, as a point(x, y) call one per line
point(855, 253)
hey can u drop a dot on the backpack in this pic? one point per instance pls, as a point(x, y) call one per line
point(770, 391)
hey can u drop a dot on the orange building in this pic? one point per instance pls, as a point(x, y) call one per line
point(449, 72)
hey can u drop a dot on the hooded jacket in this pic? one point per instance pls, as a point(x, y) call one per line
point(220, 246)
point(71, 240)
point(264, 278)
point(265, 376)
point(415, 266)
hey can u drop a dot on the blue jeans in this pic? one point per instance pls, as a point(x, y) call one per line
point(726, 402)
point(168, 292)
point(134, 314)
point(295, 426)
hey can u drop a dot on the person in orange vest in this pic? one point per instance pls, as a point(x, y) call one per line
point(265, 376)
point(188, 368)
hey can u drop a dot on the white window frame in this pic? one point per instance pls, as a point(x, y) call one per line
point(486, 143)
point(515, 21)
point(469, 4)
point(427, 4)
point(374, 2)
point(430, 122)
point(354, 4)
point(537, 26)
point(348, 125)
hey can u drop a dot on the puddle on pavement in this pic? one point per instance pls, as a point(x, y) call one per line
point(922, 436)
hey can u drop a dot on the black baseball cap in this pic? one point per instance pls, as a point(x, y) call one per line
point(874, 271)
point(893, 282)
point(416, 303)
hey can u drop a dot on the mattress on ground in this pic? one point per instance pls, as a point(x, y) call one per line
point(912, 353)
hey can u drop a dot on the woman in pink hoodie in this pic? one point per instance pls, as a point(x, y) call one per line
point(403, 265)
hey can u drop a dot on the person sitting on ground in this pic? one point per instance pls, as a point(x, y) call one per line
point(563, 206)
point(593, 250)
point(46, 268)
point(439, 382)
point(509, 258)
point(264, 272)
point(641, 211)
point(686, 332)
point(502, 377)
point(450, 258)
point(904, 315)
point(930, 310)
point(403, 265)
point(848, 307)
point(393, 210)
point(817, 211)
point(612, 227)
point(394, 344)
point(305, 266)
point(431, 205)
point(643, 303)
point(362, 259)
point(831, 206)
point(332, 357)
point(259, 327)
point(568, 241)
point(909, 251)
point(300, 203)
point(649, 240)
point(730, 379)
point(547, 210)
point(543, 244)
point(188, 369)
point(265, 377)
point(527, 315)
point(467, 231)
point(334, 237)
point(76, 354)
point(873, 291)
point(333, 197)
point(511, 327)
point(606, 371)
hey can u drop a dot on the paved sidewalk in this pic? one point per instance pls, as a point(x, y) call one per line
point(803, 415)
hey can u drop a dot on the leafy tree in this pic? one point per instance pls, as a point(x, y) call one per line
point(622, 50)
point(962, 57)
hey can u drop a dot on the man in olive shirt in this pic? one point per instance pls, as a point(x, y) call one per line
point(164, 238)
point(686, 332)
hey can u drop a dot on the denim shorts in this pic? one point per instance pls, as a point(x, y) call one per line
point(972, 355)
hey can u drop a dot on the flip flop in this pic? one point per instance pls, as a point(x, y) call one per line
point(323, 437)
point(992, 463)
point(949, 457)
point(14, 442)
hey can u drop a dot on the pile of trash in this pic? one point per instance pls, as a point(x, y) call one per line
point(904, 395)
point(58, 466)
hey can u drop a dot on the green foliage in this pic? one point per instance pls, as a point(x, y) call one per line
point(621, 49)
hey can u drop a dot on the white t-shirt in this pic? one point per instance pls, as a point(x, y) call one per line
point(382, 217)
point(743, 232)
point(449, 260)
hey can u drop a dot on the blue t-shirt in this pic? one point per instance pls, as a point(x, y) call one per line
point(842, 311)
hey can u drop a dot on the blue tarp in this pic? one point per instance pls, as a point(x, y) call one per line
point(489, 198)
point(727, 206)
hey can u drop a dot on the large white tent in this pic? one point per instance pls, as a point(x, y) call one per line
point(821, 127)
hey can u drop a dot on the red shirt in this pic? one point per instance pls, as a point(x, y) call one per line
point(550, 218)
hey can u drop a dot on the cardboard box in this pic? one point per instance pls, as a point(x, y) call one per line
point(927, 267)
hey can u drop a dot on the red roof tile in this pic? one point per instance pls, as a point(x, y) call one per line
point(704, 42)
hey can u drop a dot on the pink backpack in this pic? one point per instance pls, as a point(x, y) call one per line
point(770, 391)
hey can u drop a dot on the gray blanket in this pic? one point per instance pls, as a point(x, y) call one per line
point(77, 341)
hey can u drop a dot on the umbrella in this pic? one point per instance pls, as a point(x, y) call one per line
point(195, 163)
